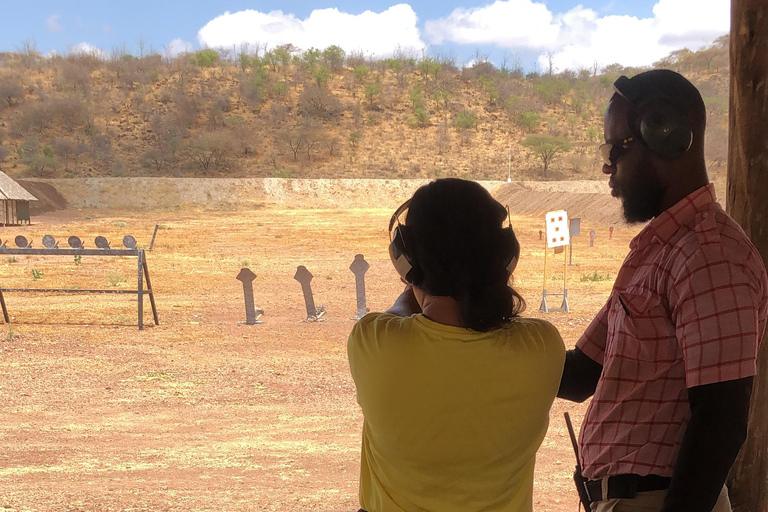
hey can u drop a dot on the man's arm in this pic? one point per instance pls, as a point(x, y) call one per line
point(583, 364)
point(580, 376)
point(715, 433)
point(406, 304)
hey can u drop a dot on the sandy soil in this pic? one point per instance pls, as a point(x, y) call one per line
point(201, 413)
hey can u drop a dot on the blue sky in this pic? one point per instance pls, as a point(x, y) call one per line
point(578, 33)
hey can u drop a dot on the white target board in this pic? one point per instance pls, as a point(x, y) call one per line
point(558, 234)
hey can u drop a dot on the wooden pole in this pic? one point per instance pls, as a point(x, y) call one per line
point(747, 185)
point(546, 250)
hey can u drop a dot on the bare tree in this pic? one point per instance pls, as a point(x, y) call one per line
point(210, 150)
point(293, 139)
point(141, 43)
point(29, 56)
point(64, 149)
point(318, 103)
point(35, 117)
point(11, 91)
point(550, 55)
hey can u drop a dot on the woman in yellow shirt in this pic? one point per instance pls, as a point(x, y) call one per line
point(454, 386)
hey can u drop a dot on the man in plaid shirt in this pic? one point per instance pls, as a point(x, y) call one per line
point(671, 357)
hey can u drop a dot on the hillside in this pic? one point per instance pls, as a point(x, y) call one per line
point(316, 114)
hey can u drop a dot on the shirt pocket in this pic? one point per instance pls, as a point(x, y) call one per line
point(642, 328)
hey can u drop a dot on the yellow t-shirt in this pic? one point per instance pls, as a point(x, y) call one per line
point(453, 417)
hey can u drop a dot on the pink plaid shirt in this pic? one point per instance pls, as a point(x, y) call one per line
point(688, 308)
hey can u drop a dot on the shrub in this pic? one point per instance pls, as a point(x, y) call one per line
point(528, 121)
point(465, 120)
point(206, 58)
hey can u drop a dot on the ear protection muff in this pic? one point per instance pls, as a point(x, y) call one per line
point(511, 245)
point(661, 127)
point(399, 245)
point(514, 248)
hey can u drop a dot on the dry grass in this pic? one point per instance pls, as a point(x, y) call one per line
point(201, 413)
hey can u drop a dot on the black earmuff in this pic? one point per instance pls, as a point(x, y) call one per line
point(400, 244)
point(398, 253)
point(661, 127)
point(512, 247)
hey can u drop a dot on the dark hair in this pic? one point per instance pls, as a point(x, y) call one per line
point(458, 244)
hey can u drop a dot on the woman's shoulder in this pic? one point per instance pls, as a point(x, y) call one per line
point(537, 330)
point(374, 325)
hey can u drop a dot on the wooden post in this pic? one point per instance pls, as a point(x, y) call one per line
point(747, 184)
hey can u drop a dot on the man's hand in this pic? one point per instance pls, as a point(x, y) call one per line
point(406, 304)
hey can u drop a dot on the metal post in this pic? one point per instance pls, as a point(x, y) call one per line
point(564, 306)
point(152, 243)
point(544, 306)
point(149, 288)
point(141, 291)
point(5, 309)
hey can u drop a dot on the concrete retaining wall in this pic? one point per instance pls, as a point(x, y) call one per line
point(246, 193)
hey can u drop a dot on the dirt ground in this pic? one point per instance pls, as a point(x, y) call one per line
point(201, 413)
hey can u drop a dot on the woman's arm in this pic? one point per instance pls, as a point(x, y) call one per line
point(406, 304)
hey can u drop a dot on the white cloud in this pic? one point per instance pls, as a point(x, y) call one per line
point(87, 49)
point(373, 33)
point(52, 23)
point(508, 23)
point(581, 36)
point(178, 46)
point(107, 29)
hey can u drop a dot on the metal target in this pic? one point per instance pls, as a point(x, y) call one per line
point(101, 242)
point(129, 242)
point(74, 242)
point(21, 242)
point(49, 242)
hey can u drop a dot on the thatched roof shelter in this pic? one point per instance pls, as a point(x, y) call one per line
point(14, 200)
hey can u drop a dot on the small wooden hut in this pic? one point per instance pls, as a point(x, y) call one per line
point(14, 201)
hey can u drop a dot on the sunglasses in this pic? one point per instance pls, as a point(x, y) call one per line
point(612, 152)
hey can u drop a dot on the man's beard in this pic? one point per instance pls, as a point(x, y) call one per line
point(641, 195)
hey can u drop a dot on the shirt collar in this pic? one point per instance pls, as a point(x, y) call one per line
point(681, 214)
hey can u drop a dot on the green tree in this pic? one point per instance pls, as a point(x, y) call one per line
point(247, 61)
point(372, 91)
point(334, 57)
point(310, 58)
point(361, 72)
point(206, 58)
point(322, 75)
point(528, 120)
point(546, 148)
point(465, 120)
point(490, 88)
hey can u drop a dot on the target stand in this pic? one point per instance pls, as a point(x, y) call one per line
point(558, 237)
point(76, 248)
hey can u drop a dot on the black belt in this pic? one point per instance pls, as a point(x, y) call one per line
point(625, 486)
